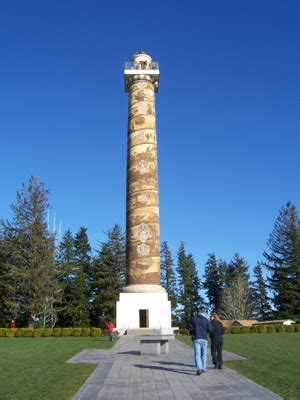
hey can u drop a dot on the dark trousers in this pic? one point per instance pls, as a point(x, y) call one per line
point(216, 352)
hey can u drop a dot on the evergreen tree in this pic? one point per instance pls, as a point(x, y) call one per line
point(262, 306)
point(283, 263)
point(81, 291)
point(168, 278)
point(27, 255)
point(237, 267)
point(109, 270)
point(117, 244)
point(214, 281)
point(106, 287)
point(189, 285)
point(237, 296)
point(66, 272)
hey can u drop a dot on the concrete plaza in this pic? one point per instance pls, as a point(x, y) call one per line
point(123, 374)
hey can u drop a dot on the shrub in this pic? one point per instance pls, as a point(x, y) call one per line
point(2, 332)
point(297, 327)
point(10, 333)
point(66, 331)
point(182, 332)
point(245, 329)
point(56, 332)
point(253, 329)
point(95, 332)
point(236, 329)
point(46, 332)
point(85, 332)
point(76, 332)
point(227, 329)
point(26, 332)
point(37, 332)
point(19, 333)
point(280, 328)
point(290, 328)
point(104, 332)
point(262, 329)
point(271, 329)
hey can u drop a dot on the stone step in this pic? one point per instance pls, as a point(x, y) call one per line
point(142, 331)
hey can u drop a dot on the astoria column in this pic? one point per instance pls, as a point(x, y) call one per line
point(142, 212)
point(143, 292)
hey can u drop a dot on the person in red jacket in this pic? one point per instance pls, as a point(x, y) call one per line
point(110, 327)
point(12, 324)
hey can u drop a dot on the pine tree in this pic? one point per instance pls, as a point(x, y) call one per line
point(117, 245)
point(66, 272)
point(189, 285)
point(168, 277)
point(283, 263)
point(237, 267)
point(214, 281)
point(81, 292)
point(27, 254)
point(109, 270)
point(237, 301)
point(106, 287)
point(262, 306)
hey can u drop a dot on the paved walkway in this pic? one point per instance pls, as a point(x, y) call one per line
point(123, 374)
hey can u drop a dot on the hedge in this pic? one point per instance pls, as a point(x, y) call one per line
point(66, 331)
point(37, 332)
point(56, 332)
point(95, 332)
point(86, 332)
point(3, 332)
point(280, 328)
point(271, 329)
point(245, 329)
point(183, 331)
point(262, 329)
point(76, 332)
point(236, 329)
point(253, 329)
point(10, 332)
point(290, 328)
point(48, 332)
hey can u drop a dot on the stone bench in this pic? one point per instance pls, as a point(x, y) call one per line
point(154, 344)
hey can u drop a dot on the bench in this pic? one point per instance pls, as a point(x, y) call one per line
point(154, 344)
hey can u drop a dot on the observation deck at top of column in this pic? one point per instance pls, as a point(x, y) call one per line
point(141, 66)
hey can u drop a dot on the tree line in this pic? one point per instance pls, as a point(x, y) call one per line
point(66, 283)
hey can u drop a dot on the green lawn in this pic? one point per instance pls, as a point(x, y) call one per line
point(35, 368)
point(273, 360)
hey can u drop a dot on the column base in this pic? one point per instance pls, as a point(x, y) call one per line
point(144, 310)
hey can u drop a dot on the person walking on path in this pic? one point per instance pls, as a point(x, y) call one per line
point(216, 337)
point(110, 327)
point(199, 328)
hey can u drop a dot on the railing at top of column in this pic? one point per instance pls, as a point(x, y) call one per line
point(131, 65)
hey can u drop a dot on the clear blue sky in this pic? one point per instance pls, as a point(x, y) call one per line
point(227, 114)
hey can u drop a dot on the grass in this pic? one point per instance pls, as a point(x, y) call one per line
point(35, 368)
point(273, 360)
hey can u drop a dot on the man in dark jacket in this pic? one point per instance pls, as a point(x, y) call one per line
point(199, 328)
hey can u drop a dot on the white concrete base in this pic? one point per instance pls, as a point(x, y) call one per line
point(129, 305)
